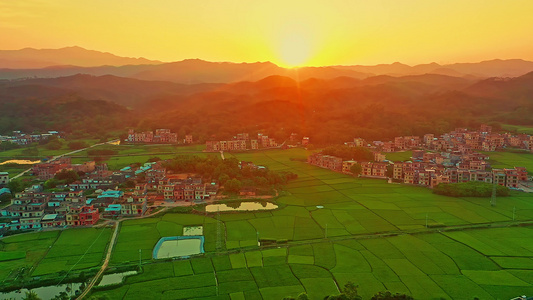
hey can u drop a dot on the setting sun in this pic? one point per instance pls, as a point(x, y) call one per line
point(295, 49)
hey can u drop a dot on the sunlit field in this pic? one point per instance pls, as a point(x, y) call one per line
point(329, 229)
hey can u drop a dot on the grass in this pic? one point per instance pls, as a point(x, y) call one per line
point(399, 156)
point(129, 154)
point(511, 159)
point(518, 128)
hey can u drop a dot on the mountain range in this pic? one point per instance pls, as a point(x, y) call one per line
point(28, 62)
point(218, 100)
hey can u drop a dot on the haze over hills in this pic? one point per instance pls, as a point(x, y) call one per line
point(69, 61)
point(29, 58)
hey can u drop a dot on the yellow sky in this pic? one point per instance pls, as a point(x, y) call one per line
point(285, 32)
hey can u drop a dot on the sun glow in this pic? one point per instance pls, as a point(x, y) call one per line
point(295, 48)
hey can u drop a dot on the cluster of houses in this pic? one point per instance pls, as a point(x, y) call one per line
point(425, 173)
point(431, 174)
point(48, 169)
point(22, 139)
point(453, 160)
point(34, 209)
point(241, 142)
point(161, 136)
point(461, 139)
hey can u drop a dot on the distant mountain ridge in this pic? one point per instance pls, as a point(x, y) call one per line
point(30, 58)
point(46, 63)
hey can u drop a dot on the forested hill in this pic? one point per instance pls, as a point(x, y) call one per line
point(69, 114)
point(327, 110)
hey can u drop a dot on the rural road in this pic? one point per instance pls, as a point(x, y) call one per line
point(61, 155)
point(105, 264)
point(112, 243)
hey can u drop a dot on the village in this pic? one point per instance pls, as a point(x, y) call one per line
point(135, 189)
point(450, 158)
point(20, 138)
point(96, 194)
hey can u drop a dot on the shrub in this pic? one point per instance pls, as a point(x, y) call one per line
point(470, 189)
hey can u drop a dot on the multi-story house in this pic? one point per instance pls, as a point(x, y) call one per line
point(82, 215)
point(347, 165)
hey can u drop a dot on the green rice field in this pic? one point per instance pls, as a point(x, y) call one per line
point(511, 160)
point(518, 128)
point(330, 228)
point(483, 263)
point(129, 154)
point(48, 253)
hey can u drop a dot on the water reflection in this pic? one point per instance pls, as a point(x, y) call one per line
point(45, 292)
point(20, 162)
point(115, 278)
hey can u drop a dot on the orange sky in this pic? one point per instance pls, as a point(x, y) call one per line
point(282, 31)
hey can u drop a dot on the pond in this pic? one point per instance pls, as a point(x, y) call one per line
point(178, 246)
point(244, 206)
point(45, 292)
point(115, 278)
point(20, 162)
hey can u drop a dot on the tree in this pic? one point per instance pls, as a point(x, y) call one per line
point(15, 186)
point(5, 198)
point(223, 178)
point(469, 189)
point(302, 296)
point(233, 186)
point(67, 176)
point(31, 295)
point(128, 184)
point(51, 183)
point(349, 292)
point(390, 171)
point(356, 169)
point(389, 296)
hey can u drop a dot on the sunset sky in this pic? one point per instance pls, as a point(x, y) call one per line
point(285, 32)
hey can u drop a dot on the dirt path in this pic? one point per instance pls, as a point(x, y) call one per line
point(106, 261)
